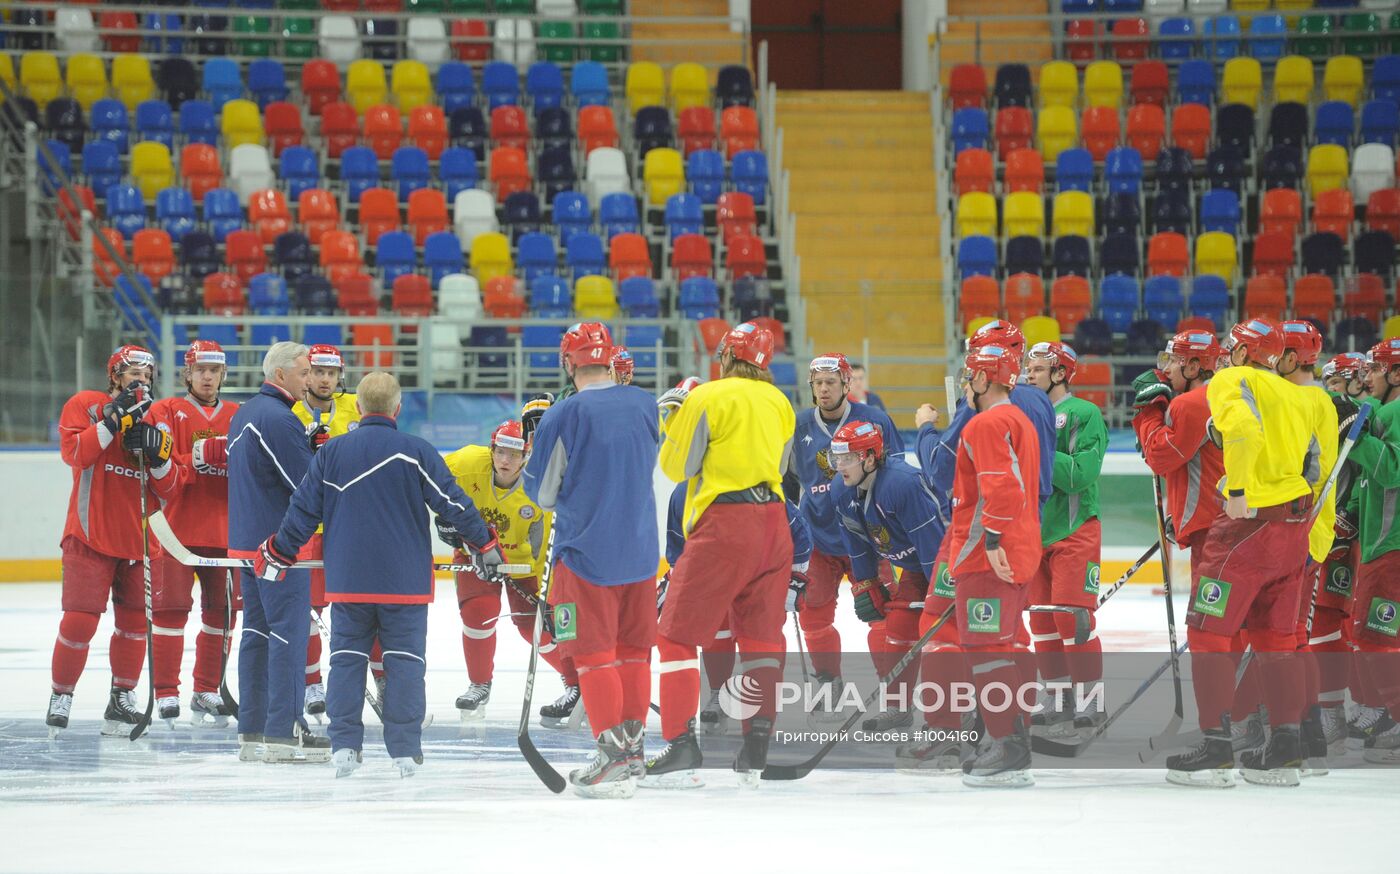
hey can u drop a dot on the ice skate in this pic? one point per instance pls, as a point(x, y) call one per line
point(557, 715)
point(1003, 763)
point(346, 762)
point(316, 702)
point(608, 774)
point(1314, 744)
point(634, 733)
point(753, 755)
point(472, 703)
point(1383, 746)
point(1088, 719)
point(305, 748)
point(207, 709)
point(674, 767)
point(712, 718)
point(934, 757)
point(168, 709)
point(1248, 734)
point(1334, 729)
point(826, 709)
point(1208, 764)
point(1280, 762)
point(60, 705)
point(1055, 718)
point(122, 712)
point(408, 766)
point(251, 748)
point(1363, 724)
point(888, 721)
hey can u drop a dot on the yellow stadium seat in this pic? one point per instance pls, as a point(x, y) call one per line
point(1242, 81)
point(87, 80)
point(241, 124)
point(411, 84)
point(1074, 215)
point(646, 86)
point(1249, 6)
point(131, 79)
point(365, 85)
point(1103, 84)
point(1025, 214)
point(1327, 168)
point(151, 169)
point(490, 257)
point(1215, 255)
point(1041, 329)
point(1293, 6)
point(1391, 328)
point(1059, 84)
point(690, 86)
point(977, 215)
point(664, 174)
point(7, 71)
point(594, 298)
point(1056, 130)
point(38, 73)
point(1343, 79)
point(1294, 80)
point(978, 324)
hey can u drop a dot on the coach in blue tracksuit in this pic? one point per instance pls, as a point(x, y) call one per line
point(371, 488)
point(267, 457)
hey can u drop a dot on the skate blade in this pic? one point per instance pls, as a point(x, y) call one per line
point(470, 716)
point(1211, 778)
point(170, 723)
point(251, 752)
point(553, 722)
point(346, 770)
point(1274, 777)
point(1381, 757)
point(624, 788)
point(1004, 780)
point(825, 719)
point(672, 781)
point(55, 731)
point(113, 728)
point(749, 779)
point(579, 718)
point(940, 766)
point(719, 726)
point(208, 720)
point(406, 771)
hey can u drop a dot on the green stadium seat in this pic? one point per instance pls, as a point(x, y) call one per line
point(1314, 39)
point(603, 53)
point(559, 52)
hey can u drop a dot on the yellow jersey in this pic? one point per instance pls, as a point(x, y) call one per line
point(521, 526)
point(1324, 527)
point(343, 418)
point(729, 435)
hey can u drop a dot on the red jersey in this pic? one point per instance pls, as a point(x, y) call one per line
point(198, 510)
point(996, 486)
point(104, 509)
point(1175, 446)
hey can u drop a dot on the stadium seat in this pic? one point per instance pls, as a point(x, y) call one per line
point(977, 256)
point(1123, 171)
point(1327, 168)
point(291, 254)
point(239, 122)
point(427, 213)
point(359, 172)
point(1161, 300)
point(267, 296)
point(1334, 124)
point(1074, 170)
point(223, 295)
point(1323, 252)
point(1071, 255)
point(1118, 301)
point(979, 298)
point(1373, 168)
point(1014, 129)
point(1294, 80)
point(1103, 84)
point(1281, 211)
point(151, 168)
point(1265, 296)
point(617, 213)
point(268, 214)
point(1013, 85)
point(1344, 79)
point(283, 126)
point(1024, 215)
point(222, 213)
point(1380, 122)
point(970, 129)
point(1220, 211)
point(102, 165)
point(1274, 255)
point(1281, 167)
point(584, 255)
point(1288, 125)
point(1195, 82)
point(749, 175)
point(1041, 329)
point(1216, 255)
point(1210, 298)
point(606, 172)
point(1059, 84)
point(1383, 211)
point(974, 171)
point(1149, 84)
point(1221, 37)
point(383, 130)
point(1073, 214)
point(223, 81)
point(409, 168)
point(738, 128)
point(1167, 254)
point(1100, 131)
point(1023, 296)
point(1354, 335)
point(691, 257)
point(1234, 126)
point(267, 82)
point(1119, 253)
point(1315, 297)
point(1025, 171)
point(243, 254)
point(1056, 131)
point(178, 80)
point(1125, 47)
point(1266, 37)
point(967, 86)
point(1025, 254)
point(1081, 40)
point(131, 80)
point(411, 85)
point(1333, 212)
point(175, 213)
point(697, 129)
point(1177, 39)
point(1070, 300)
point(366, 85)
point(1191, 128)
point(664, 175)
point(467, 127)
point(698, 298)
point(1242, 81)
point(1363, 297)
point(745, 256)
point(442, 255)
point(595, 298)
point(317, 212)
point(1146, 130)
point(340, 128)
point(1375, 253)
point(155, 122)
point(500, 83)
point(153, 254)
point(395, 256)
point(1385, 77)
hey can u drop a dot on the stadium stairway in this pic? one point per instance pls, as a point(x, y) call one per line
point(863, 193)
point(713, 45)
point(1025, 42)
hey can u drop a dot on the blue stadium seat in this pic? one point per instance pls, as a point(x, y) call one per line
point(554, 127)
point(501, 84)
point(544, 82)
point(1145, 338)
point(1385, 78)
point(642, 340)
point(267, 295)
point(977, 256)
point(1023, 255)
point(222, 81)
point(1118, 302)
point(1122, 214)
point(537, 256)
point(395, 256)
point(359, 171)
point(637, 296)
point(970, 129)
point(1380, 121)
point(1234, 126)
point(198, 122)
point(1162, 300)
point(222, 213)
point(1225, 168)
point(1120, 253)
point(156, 44)
point(133, 306)
point(1288, 125)
point(154, 122)
point(199, 257)
point(750, 298)
point(102, 165)
point(267, 80)
point(749, 172)
point(543, 364)
point(1220, 211)
point(554, 169)
point(455, 86)
point(704, 170)
point(1195, 82)
point(588, 83)
point(409, 169)
point(175, 212)
point(1175, 170)
point(266, 335)
point(651, 129)
point(1123, 170)
point(521, 213)
point(1013, 85)
point(1070, 256)
point(1323, 252)
point(684, 215)
point(126, 209)
point(584, 254)
point(110, 122)
point(291, 253)
point(1094, 336)
point(1081, 7)
point(299, 170)
point(1171, 211)
point(314, 296)
point(1122, 5)
point(323, 333)
point(442, 254)
point(1375, 253)
point(571, 215)
point(1334, 123)
point(1281, 167)
point(1221, 37)
point(458, 171)
point(467, 127)
point(1183, 46)
point(617, 213)
point(1267, 37)
point(1074, 170)
point(1210, 298)
point(550, 296)
point(1354, 335)
point(699, 298)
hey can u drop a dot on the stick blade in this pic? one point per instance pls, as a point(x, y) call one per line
point(1168, 739)
point(1047, 747)
point(786, 772)
point(552, 779)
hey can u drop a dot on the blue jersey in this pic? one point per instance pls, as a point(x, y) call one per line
point(810, 442)
point(938, 450)
point(675, 530)
point(592, 464)
point(895, 519)
point(268, 454)
point(372, 487)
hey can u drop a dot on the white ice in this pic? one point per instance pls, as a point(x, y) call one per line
point(181, 802)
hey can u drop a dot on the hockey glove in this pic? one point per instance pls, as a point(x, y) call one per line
point(271, 563)
point(147, 440)
point(1213, 435)
point(1347, 411)
point(532, 412)
point(797, 589)
point(1345, 527)
point(671, 400)
point(210, 454)
point(127, 408)
point(1156, 393)
point(870, 598)
point(317, 433)
point(449, 535)
point(661, 586)
point(487, 559)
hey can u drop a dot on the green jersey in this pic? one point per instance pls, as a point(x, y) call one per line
point(1377, 458)
point(1081, 439)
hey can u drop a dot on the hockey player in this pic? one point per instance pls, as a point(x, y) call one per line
point(1071, 534)
point(326, 411)
point(1278, 448)
point(380, 562)
point(1345, 375)
point(592, 465)
point(621, 366)
point(860, 392)
point(1375, 614)
point(268, 454)
point(100, 433)
point(730, 440)
point(490, 476)
point(888, 514)
point(198, 512)
point(829, 376)
point(995, 549)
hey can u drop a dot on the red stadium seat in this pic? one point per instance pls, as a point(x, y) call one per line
point(283, 123)
point(974, 171)
point(427, 213)
point(340, 128)
point(734, 213)
point(102, 264)
point(1191, 129)
point(629, 256)
point(501, 298)
point(383, 130)
point(471, 41)
point(153, 253)
point(356, 295)
point(1025, 297)
point(980, 298)
point(1265, 296)
point(412, 296)
point(1025, 171)
point(596, 128)
point(510, 171)
point(1281, 211)
point(967, 86)
point(1150, 83)
point(317, 212)
point(509, 128)
point(1125, 48)
point(1093, 381)
point(199, 167)
point(268, 214)
point(1333, 212)
point(738, 127)
point(1363, 296)
point(1099, 130)
point(1383, 211)
point(340, 254)
point(71, 212)
point(1070, 300)
point(697, 128)
point(243, 253)
point(1015, 129)
point(1081, 41)
point(712, 331)
point(379, 213)
point(375, 337)
point(745, 256)
point(1147, 129)
point(113, 26)
point(223, 295)
point(691, 256)
point(1273, 254)
point(320, 83)
point(1167, 255)
point(1315, 297)
point(427, 127)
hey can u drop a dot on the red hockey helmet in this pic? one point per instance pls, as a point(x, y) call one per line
point(130, 356)
point(830, 362)
point(1385, 354)
point(508, 435)
point(1001, 333)
point(855, 439)
point(1303, 338)
point(205, 352)
point(748, 342)
point(1262, 339)
point(1186, 345)
point(586, 343)
point(1060, 354)
point(621, 363)
point(325, 355)
point(1002, 365)
point(1347, 365)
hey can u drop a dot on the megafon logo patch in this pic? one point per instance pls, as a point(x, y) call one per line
point(739, 697)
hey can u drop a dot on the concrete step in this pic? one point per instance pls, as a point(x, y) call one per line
point(848, 159)
point(873, 181)
point(888, 202)
point(856, 268)
point(845, 225)
point(836, 136)
point(906, 246)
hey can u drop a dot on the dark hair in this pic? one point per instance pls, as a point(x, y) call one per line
point(856, 365)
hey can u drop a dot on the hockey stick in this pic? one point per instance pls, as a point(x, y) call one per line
point(165, 535)
point(230, 703)
point(801, 649)
point(1123, 580)
point(1179, 711)
point(140, 727)
point(1352, 436)
point(1187, 738)
point(551, 778)
point(802, 769)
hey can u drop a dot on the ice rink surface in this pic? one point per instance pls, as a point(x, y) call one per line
point(180, 801)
